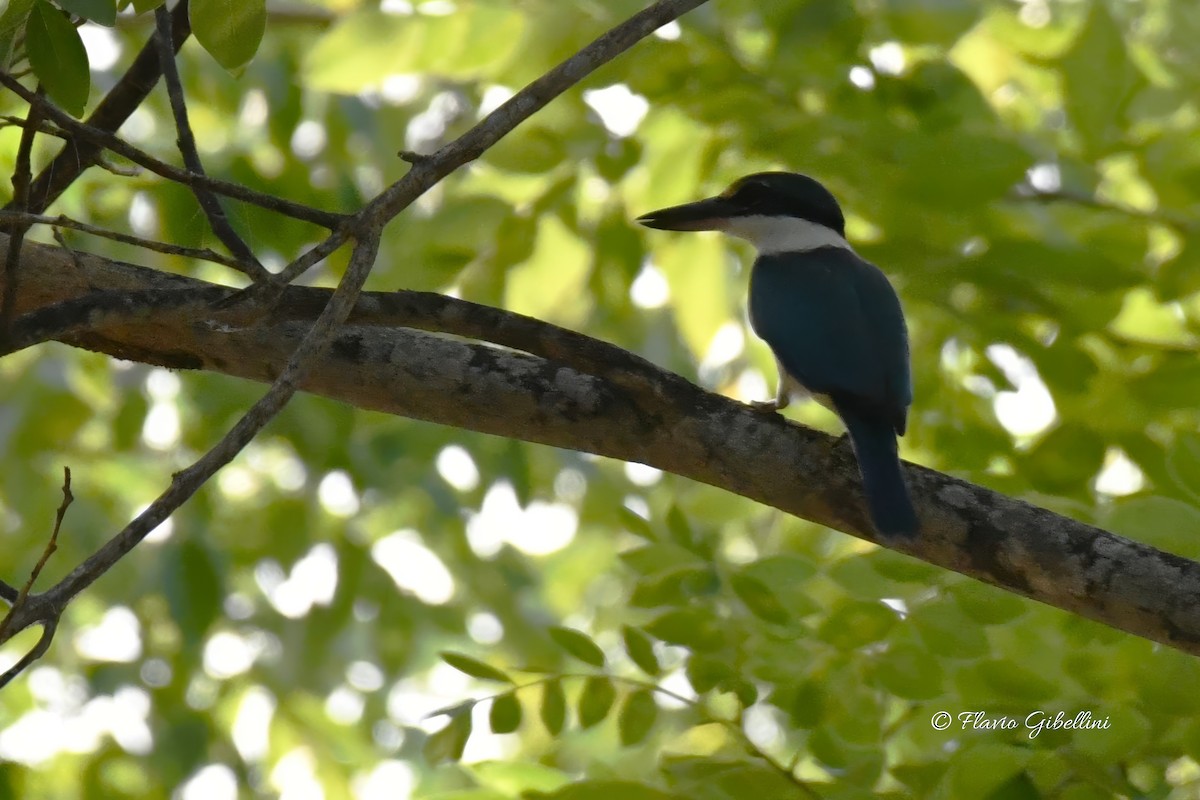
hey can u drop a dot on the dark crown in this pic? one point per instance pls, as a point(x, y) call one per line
point(787, 194)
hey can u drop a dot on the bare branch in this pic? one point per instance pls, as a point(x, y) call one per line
point(49, 624)
point(104, 139)
point(429, 170)
point(49, 628)
point(1180, 222)
point(217, 220)
point(522, 105)
point(116, 107)
point(198, 253)
point(51, 546)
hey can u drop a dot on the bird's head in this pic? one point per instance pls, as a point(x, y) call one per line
point(775, 211)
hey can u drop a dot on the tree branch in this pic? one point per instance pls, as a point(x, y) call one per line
point(674, 426)
point(60, 221)
point(208, 201)
point(116, 107)
point(428, 170)
point(103, 139)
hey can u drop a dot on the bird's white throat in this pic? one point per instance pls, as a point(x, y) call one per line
point(783, 234)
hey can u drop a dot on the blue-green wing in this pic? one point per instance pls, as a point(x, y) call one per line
point(835, 323)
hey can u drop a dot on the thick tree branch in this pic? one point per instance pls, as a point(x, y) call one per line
point(674, 426)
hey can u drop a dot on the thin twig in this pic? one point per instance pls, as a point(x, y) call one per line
point(217, 220)
point(198, 253)
point(105, 139)
point(49, 628)
point(48, 551)
point(427, 171)
point(1180, 222)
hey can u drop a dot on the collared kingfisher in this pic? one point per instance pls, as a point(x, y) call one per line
point(831, 318)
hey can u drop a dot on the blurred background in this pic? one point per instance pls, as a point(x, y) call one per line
point(1025, 172)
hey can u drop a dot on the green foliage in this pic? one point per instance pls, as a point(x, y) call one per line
point(57, 57)
point(103, 12)
point(379, 597)
point(230, 30)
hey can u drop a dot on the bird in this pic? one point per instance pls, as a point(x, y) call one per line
point(831, 318)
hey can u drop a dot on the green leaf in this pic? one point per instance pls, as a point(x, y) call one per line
point(473, 667)
point(636, 717)
point(1163, 522)
point(679, 527)
point(641, 650)
point(714, 778)
point(947, 631)
point(103, 12)
point(980, 770)
point(595, 700)
point(938, 22)
point(689, 627)
point(704, 673)
point(58, 57)
point(608, 790)
point(855, 623)
point(1127, 733)
point(761, 601)
point(1012, 681)
point(448, 743)
point(230, 30)
point(909, 672)
point(553, 710)
point(1100, 80)
point(505, 714)
point(987, 604)
point(15, 15)
point(535, 150)
point(578, 644)
point(635, 524)
point(142, 6)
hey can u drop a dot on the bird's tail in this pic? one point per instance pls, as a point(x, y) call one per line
point(883, 481)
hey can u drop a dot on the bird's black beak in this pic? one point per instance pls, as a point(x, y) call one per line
point(710, 214)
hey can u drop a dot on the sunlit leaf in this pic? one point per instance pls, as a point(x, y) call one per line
point(578, 644)
point(474, 667)
point(230, 30)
